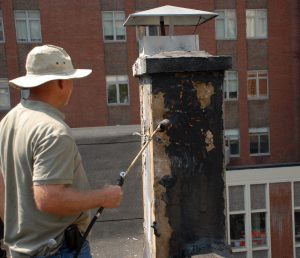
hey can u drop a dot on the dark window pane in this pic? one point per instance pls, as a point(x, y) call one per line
point(234, 147)
point(153, 30)
point(112, 94)
point(120, 37)
point(237, 230)
point(264, 144)
point(233, 95)
point(297, 226)
point(253, 144)
point(258, 221)
point(123, 88)
point(297, 194)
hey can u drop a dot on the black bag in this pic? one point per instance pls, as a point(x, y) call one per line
point(73, 237)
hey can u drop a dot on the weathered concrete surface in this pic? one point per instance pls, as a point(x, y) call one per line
point(118, 233)
point(117, 239)
point(106, 151)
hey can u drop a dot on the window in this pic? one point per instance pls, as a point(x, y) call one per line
point(230, 85)
point(117, 90)
point(226, 24)
point(258, 215)
point(248, 220)
point(232, 140)
point(4, 95)
point(28, 26)
point(142, 31)
point(237, 215)
point(257, 84)
point(1, 28)
point(259, 141)
point(25, 93)
point(256, 23)
point(113, 26)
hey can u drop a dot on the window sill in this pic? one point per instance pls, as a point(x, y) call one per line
point(260, 248)
point(29, 42)
point(238, 249)
point(115, 41)
point(118, 104)
point(231, 100)
point(227, 39)
point(257, 38)
point(258, 98)
point(260, 154)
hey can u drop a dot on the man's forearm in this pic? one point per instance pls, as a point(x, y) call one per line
point(65, 201)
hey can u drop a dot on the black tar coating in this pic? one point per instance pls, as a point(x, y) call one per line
point(194, 191)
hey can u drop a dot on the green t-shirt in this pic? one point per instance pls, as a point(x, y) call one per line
point(36, 147)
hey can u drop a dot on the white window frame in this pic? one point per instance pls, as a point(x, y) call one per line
point(226, 85)
point(2, 26)
point(253, 17)
point(28, 19)
point(258, 75)
point(247, 212)
point(4, 85)
point(117, 80)
point(232, 134)
point(226, 19)
point(113, 20)
point(260, 132)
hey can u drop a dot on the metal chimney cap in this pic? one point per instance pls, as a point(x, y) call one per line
point(171, 15)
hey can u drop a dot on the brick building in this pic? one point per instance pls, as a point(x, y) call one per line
point(261, 91)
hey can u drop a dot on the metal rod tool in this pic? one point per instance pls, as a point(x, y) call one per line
point(160, 128)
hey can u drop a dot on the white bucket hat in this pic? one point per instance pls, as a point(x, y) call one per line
point(47, 63)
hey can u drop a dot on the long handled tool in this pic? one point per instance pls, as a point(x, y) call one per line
point(160, 128)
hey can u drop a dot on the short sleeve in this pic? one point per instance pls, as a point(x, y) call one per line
point(54, 160)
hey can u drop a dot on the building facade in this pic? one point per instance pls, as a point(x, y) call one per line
point(261, 91)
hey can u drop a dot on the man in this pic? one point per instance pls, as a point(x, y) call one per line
point(44, 188)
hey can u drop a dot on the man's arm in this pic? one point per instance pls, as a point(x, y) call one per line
point(65, 201)
point(2, 196)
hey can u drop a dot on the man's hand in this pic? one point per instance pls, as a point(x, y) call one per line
point(113, 197)
point(65, 201)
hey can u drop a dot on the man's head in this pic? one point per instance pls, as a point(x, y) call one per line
point(47, 63)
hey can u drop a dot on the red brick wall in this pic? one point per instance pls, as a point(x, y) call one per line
point(79, 31)
point(242, 73)
point(11, 53)
point(284, 129)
